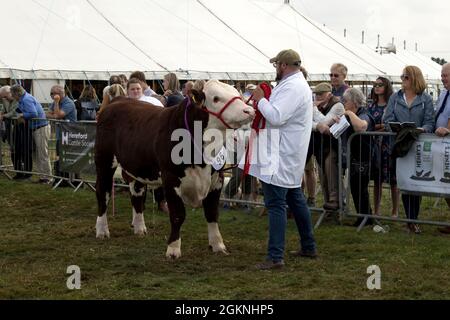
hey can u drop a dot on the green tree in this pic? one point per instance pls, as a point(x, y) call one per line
point(441, 61)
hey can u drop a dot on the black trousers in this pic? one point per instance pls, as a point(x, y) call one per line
point(22, 155)
point(359, 187)
point(412, 205)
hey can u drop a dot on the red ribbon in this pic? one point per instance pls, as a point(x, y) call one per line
point(258, 123)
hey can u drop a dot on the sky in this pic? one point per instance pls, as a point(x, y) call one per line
point(424, 22)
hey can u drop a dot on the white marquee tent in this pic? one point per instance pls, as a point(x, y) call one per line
point(198, 39)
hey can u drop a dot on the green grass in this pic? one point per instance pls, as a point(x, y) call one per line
point(43, 232)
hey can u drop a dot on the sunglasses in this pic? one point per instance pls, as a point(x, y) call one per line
point(334, 75)
point(378, 85)
point(404, 77)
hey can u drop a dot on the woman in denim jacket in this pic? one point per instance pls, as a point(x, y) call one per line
point(411, 104)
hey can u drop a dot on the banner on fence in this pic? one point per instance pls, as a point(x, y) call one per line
point(426, 167)
point(76, 144)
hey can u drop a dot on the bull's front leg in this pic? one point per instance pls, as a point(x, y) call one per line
point(138, 194)
point(211, 210)
point(177, 213)
point(103, 193)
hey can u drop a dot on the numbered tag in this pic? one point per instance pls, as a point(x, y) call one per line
point(220, 159)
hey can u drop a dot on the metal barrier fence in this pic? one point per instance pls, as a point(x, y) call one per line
point(362, 170)
point(30, 148)
point(323, 161)
point(21, 153)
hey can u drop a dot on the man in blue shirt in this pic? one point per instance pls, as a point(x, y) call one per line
point(443, 117)
point(338, 73)
point(31, 110)
point(62, 108)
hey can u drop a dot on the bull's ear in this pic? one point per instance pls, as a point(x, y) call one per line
point(198, 97)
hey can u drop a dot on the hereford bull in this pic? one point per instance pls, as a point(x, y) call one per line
point(137, 136)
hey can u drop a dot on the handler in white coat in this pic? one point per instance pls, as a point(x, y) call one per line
point(279, 156)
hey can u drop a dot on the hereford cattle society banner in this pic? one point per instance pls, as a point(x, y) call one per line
point(426, 167)
point(76, 143)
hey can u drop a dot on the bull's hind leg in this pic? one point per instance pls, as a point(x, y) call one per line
point(211, 209)
point(138, 194)
point(177, 215)
point(103, 188)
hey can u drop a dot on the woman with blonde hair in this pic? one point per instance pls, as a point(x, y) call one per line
point(116, 90)
point(411, 104)
point(172, 92)
point(199, 85)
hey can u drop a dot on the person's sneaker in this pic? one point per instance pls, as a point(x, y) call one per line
point(413, 228)
point(416, 228)
point(305, 254)
point(270, 265)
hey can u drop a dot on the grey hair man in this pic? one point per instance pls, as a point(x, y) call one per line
point(62, 108)
point(32, 112)
point(338, 74)
point(9, 105)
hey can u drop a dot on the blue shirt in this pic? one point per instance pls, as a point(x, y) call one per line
point(68, 107)
point(32, 109)
point(442, 120)
point(339, 92)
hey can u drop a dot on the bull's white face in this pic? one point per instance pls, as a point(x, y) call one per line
point(218, 94)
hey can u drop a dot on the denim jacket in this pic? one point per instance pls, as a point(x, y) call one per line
point(421, 111)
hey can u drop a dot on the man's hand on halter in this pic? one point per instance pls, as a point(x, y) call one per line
point(258, 94)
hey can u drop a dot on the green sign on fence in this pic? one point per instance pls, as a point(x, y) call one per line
point(76, 147)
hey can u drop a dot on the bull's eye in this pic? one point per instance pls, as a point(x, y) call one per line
point(216, 99)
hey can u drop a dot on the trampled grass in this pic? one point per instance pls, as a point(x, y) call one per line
point(42, 232)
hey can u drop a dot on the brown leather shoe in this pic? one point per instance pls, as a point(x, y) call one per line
point(162, 206)
point(263, 212)
point(304, 254)
point(270, 265)
point(445, 230)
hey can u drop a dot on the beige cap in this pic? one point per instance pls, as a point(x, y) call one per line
point(288, 56)
point(322, 87)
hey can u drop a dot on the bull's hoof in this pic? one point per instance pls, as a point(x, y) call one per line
point(140, 230)
point(219, 248)
point(139, 224)
point(174, 250)
point(101, 228)
point(173, 254)
point(103, 234)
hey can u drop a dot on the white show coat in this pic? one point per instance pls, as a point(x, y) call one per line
point(279, 151)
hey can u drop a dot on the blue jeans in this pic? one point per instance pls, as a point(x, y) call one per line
point(275, 200)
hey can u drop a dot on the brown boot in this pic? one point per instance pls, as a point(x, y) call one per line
point(445, 230)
